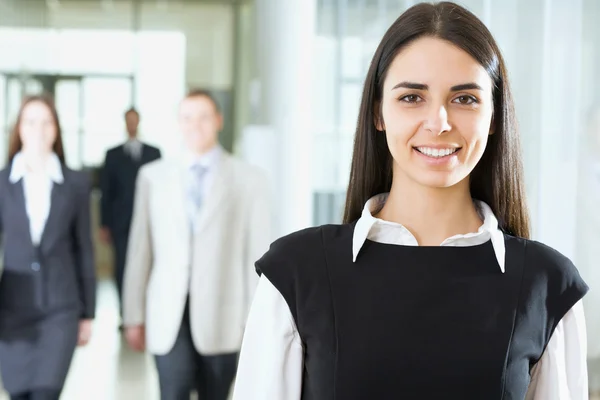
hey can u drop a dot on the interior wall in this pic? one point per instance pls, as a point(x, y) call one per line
point(208, 29)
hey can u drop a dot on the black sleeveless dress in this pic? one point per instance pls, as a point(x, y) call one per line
point(408, 322)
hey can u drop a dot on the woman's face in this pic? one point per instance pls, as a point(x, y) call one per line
point(436, 112)
point(37, 128)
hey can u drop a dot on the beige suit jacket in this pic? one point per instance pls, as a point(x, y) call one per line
point(215, 265)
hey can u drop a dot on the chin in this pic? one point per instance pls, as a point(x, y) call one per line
point(40, 150)
point(200, 148)
point(438, 185)
point(439, 180)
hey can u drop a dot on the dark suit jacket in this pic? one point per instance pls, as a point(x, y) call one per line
point(59, 274)
point(117, 183)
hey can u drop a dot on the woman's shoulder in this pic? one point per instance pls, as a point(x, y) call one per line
point(307, 241)
point(75, 175)
point(550, 271)
point(304, 248)
point(296, 264)
point(548, 260)
point(298, 241)
point(550, 285)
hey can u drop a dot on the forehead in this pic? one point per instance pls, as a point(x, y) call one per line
point(36, 108)
point(437, 63)
point(197, 104)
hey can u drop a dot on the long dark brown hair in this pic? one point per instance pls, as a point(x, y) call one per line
point(498, 177)
point(15, 144)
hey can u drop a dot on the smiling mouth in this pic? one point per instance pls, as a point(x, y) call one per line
point(437, 153)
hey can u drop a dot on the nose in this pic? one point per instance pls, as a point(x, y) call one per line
point(37, 128)
point(437, 120)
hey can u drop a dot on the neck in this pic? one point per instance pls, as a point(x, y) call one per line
point(431, 214)
point(35, 161)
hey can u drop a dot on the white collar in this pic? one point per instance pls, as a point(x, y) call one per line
point(52, 169)
point(206, 160)
point(488, 228)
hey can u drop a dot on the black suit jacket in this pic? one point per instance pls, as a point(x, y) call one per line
point(59, 274)
point(117, 183)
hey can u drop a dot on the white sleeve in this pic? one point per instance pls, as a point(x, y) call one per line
point(561, 373)
point(272, 356)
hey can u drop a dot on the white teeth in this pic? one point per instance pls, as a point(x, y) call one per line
point(436, 152)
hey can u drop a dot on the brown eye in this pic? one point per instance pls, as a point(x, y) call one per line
point(410, 98)
point(466, 100)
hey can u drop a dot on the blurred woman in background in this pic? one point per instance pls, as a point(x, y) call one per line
point(48, 284)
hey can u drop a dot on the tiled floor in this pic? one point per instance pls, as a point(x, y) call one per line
point(107, 369)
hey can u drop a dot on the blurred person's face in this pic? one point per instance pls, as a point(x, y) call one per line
point(37, 128)
point(200, 123)
point(436, 112)
point(132, 121)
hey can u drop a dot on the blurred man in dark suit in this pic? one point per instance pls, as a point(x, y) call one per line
point(117, 183)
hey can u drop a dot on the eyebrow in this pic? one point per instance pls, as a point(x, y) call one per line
point(422, 86)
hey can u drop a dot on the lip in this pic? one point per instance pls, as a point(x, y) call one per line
point(439, 146)
point(449, 159)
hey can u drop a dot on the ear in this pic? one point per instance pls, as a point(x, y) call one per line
point(221, 122)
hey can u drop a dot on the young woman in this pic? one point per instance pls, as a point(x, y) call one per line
point(431, 289)
point(48, 284)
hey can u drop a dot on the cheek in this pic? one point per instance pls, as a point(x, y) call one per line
point(400, 127)
point(397, 140)
point(475, 133)
point(399, 118)
point(50, 135)
point(208, 130)
point(475, 130)
point(184, 126)
point(28, 134)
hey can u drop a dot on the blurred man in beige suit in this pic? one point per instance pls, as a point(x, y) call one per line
point(199, 223)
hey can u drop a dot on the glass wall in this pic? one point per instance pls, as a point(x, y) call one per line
point(92, 74)
point(156, 49)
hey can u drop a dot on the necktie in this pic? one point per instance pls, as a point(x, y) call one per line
point(133, 152)
point(196, 186)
